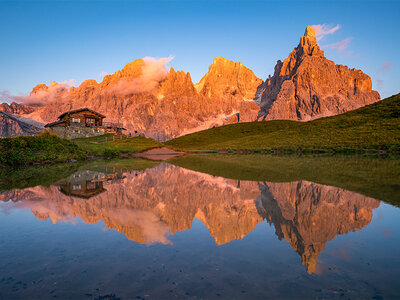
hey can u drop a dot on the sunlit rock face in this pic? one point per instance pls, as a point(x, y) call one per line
point(147, 206)
point(17, 108)
point(307, 215)
point(159, 103)
point(12, 125)
point(307, 86)
point(231, 82)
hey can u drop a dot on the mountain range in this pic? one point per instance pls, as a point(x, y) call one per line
point(149, 99)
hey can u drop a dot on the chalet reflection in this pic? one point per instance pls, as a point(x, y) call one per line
point(83, 122)
point(86, 184)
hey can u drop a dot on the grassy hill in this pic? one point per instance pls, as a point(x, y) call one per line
point(45, 148)
point(49, 148)
point(376, 126)
point(93, 145)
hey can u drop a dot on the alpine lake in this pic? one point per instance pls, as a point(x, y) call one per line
point(203, 227)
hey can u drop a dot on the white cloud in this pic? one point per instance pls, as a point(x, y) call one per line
point(153, 72)
point(340, 46)
point(322, 30)
point(386, 66)
point(102, 74)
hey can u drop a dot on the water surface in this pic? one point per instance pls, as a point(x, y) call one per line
point(202, 227)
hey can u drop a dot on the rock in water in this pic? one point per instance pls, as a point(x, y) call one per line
point(307, 86)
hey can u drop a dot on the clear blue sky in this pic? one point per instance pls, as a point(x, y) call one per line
point(62, 40)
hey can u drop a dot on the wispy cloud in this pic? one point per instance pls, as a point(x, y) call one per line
point(41, 95)
point(322, 30)
point(102, 74)
point(340, 46)
point(379, 84)
point(386, 66)
point(153, 72)
point(6, 97)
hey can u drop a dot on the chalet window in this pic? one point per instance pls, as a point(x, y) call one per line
point(77, 131)
point(91, 186)
point(90, 121)
point(96, 130)
point(76, 120)
point(76, 187)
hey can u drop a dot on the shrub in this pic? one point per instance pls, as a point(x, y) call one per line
point(110, 153)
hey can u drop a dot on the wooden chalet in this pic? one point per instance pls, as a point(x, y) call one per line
point(83, 122)
point(86, 184)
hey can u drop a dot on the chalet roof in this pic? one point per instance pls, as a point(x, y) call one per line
point(80, 110)
point(54, 123)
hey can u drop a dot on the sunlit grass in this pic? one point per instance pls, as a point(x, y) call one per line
point(375, 126)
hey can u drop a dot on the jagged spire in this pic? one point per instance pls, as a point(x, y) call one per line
point(308, 43)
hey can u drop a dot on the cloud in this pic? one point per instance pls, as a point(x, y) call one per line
point(6, 97)
point(43, 94)
point(322, 30)
point(387, 66)
point(379, 84)
point(387, 232)
point(153, 72)
point(340, 46)
point(102, 74)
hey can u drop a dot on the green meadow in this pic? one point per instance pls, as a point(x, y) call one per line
point(373, 127)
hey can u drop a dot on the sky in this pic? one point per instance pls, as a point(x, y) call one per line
point(71, 41)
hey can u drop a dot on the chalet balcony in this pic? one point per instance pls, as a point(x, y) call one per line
point(112, 124)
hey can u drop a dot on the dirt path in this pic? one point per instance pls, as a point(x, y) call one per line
point(159, 154)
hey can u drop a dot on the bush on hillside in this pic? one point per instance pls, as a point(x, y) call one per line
point(46, 147)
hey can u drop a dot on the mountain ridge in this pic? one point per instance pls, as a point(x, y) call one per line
point(150, 99)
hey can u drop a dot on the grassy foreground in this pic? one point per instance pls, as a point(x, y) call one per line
point(376, 126)
point(48, 148)
point(45, 148)
point(374, 177)
point(113, 149)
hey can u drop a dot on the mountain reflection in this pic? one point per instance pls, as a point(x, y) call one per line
point(147, 206)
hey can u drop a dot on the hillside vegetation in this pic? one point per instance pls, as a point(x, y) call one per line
point(376, 126)
point(49, 148)
point(96, 146)
point(45, 148)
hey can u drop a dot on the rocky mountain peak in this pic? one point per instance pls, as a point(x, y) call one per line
point(132, 69)
point(226, 78)
point(308, 86)
point(308, 43)
point(39, 87)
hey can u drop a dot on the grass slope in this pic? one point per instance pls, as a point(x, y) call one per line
point(129, 145)
point(373, 177)
point(371, 127)
point(25, 150)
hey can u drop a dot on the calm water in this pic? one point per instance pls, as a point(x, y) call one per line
point(137, 229)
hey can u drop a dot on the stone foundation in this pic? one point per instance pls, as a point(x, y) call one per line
point(73, 132)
